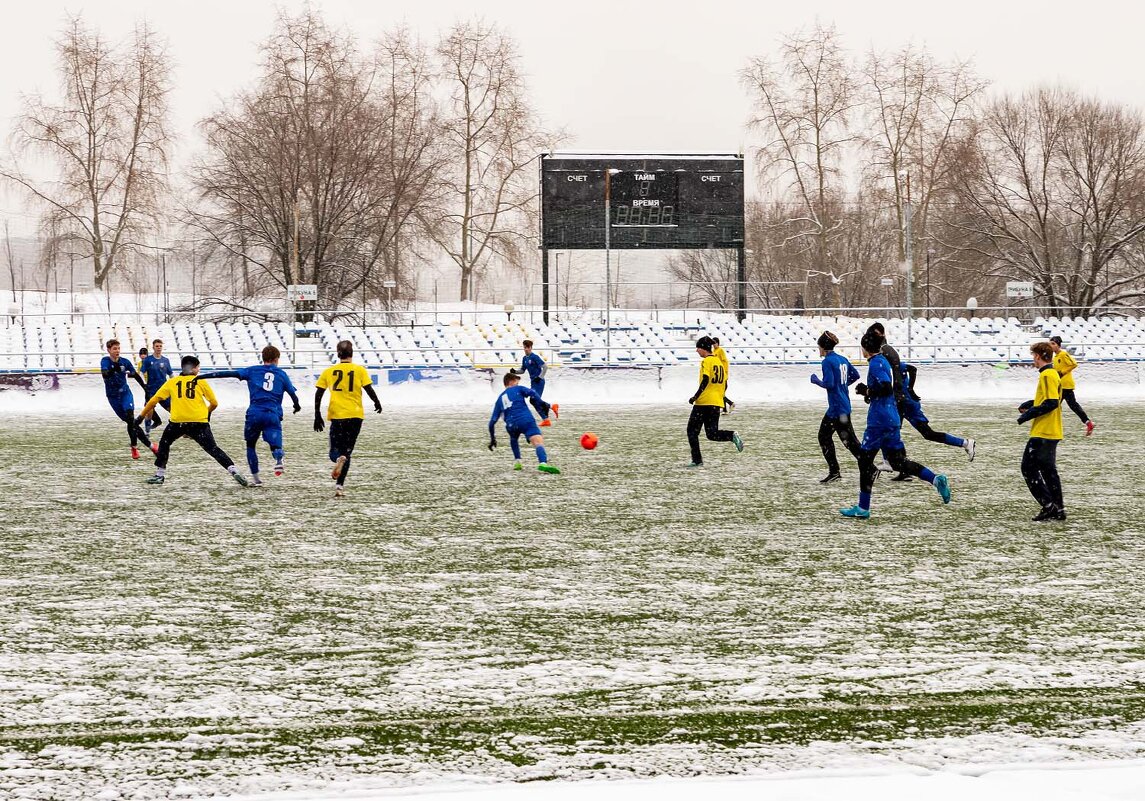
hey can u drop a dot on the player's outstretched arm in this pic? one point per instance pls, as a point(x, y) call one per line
point(1045, 407)
point(319, 423)
point(222, 374)
point(374, 397)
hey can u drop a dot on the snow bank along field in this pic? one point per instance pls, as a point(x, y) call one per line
point(452, 623)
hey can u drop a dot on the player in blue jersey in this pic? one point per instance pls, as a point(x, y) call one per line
point(513, 403)
point(535, 367)
point(155, 369)
point(267, 383)
point(838, 374)
point(115, 370)
point(910, 407)
point(882, 432)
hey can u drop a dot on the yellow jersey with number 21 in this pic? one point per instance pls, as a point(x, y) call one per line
point(713, 394)
point(344, 381)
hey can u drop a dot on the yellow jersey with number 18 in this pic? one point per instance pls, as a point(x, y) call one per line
point(189, 401)
point(713, 394)
point(344, 381)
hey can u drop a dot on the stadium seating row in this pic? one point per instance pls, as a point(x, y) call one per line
point(639, 343)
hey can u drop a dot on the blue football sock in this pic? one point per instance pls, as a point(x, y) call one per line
point(927, 475)
point(252, 459)
point(542, 457)
point(516, 446)
point(865, 500)
point(957, 442)
point(277, 453)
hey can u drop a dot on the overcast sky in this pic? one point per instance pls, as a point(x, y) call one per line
point(616, 74)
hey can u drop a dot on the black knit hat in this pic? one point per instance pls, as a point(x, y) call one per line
point(872, 342)
point(1056, 340)
point(705, 343)
point(828, 341)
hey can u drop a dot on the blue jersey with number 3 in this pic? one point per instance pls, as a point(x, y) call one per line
point(266, 384)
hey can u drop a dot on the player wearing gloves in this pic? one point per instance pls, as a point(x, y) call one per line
point(346, 382)
point(708, 403)
point(1039, 460)
point(513, 403)
point(838, 374)
point(1065, 364)
point(267, 383)
point(192, 401)
point(882, 432)
point(115, 370)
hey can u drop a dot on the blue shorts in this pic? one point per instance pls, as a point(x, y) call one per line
point(121, 404)
point(537, 385)
point(529, 431)
point(911, 411)
point(268, 426)
point(884, 439)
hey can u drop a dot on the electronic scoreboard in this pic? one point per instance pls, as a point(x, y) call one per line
point(670, 202)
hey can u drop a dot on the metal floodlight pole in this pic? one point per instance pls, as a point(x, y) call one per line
point(909, 251)
point(607, 266)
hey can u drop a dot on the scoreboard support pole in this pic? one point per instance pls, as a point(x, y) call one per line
point(545, 285)
point(741, 283)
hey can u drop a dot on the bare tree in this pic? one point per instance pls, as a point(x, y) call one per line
point(106, 138)
point(492, 137)
point(804, 106)
point(312, 176)
point(1049, 190)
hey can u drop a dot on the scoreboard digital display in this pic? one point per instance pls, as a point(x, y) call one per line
point(653, 201)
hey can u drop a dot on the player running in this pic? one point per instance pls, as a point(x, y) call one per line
point(1065, 364)
point(513, 403)
point(910, 407)
point(192, 401)
point(266, 383)
point(882, 432)
point(1039, 460)
point(838, 374)
point(155, 369)
point(536, 368)
point(719, 353)
point(346, 382)
point(708, 403)
point(115, 370)
point(909, 403)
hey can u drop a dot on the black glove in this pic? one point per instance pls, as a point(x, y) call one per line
point(139, 420)
point(492, 443)
point(692, 399)
point(297, 407)
point(378, 407)
point(1026, 406)
point(860, 388)
point(319, 423)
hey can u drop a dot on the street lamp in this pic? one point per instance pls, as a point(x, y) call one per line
point(971, 305)
point(557, 276)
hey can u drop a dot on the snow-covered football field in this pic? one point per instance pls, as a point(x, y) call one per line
point(451, 621)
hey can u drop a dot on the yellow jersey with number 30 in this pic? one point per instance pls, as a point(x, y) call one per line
point(1048, 426)
point(189, 402)
point(344, 381)
point(713, 394)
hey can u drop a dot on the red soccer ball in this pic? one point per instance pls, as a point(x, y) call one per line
point(588, 441)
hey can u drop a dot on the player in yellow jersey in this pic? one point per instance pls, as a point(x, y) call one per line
point(1065, 364)
point(1039, 462)
point(346, 382)
point(729, 405)
point(708, 402)
point(192, 402)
